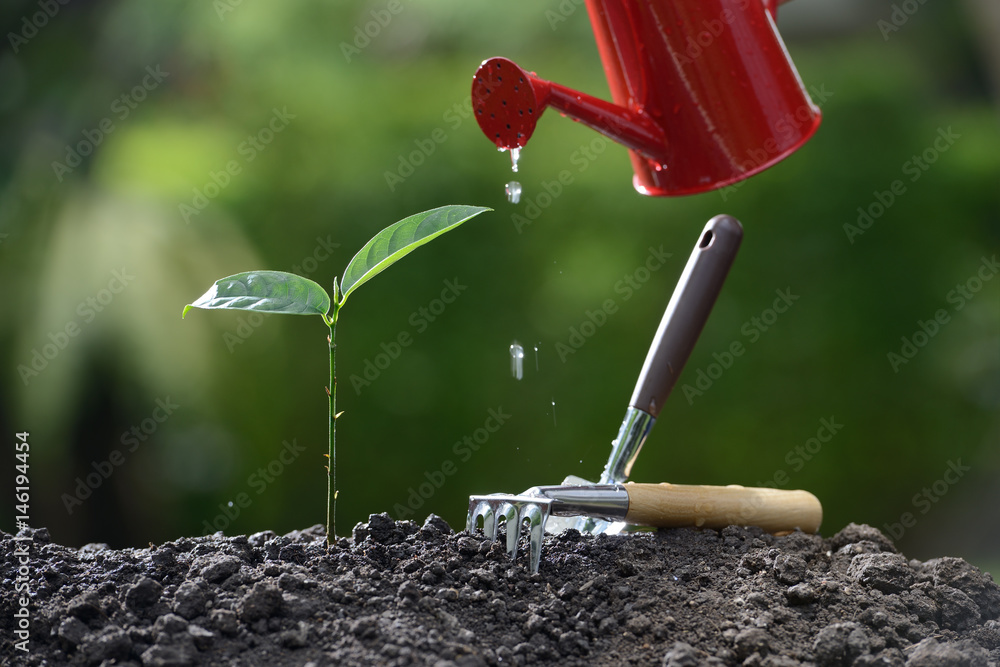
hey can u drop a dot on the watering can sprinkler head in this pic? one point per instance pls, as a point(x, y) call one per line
point(707, 102)
point(508, 101)
point(507, 110)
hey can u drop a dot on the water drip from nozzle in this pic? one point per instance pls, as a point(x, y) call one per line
point(513, 190)
point(516, 360)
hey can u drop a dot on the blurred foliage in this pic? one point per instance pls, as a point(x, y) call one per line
point(321, 180)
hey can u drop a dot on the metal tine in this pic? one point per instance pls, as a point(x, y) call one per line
point(515, 511)
point(483, 509)
point(513, 525)
point(536, 531)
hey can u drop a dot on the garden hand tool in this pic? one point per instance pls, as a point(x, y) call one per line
point(704, 92)
point(606, 507)
point(660, 505)
point(684, 318)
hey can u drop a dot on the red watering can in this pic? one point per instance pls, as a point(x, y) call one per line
point(704, 92)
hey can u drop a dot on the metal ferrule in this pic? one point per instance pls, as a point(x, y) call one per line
point(606, 501)
point(631, 436)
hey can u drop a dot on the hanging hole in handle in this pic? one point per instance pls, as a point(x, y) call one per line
point(706, 240)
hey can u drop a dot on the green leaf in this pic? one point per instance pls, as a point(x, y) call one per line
point(400, 239)
point(265, 292)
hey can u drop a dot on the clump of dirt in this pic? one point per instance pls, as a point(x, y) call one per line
point(402, 594)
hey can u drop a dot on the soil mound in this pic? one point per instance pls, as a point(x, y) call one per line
point(401, 594)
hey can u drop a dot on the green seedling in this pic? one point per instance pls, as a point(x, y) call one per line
point(280, 292)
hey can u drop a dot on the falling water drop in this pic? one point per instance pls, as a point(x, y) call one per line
point(515, 155)
point(536, 355)
point(513, 190)
point(516, 360)
point(553, 412)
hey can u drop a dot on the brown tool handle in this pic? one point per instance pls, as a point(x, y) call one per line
point(687, 311)
point(675, 505)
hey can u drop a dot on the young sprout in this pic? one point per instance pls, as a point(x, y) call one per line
point(280, 292)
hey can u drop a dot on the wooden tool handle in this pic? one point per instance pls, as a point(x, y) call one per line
point(675, 505)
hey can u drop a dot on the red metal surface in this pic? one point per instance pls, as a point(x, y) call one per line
point(508, 101)
point(506, 104)
point(704, 92)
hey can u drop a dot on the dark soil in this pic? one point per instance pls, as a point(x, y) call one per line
point(400, 594)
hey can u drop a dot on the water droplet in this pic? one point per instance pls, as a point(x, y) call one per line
point(516, 360)
point(515, 155)
point(536, 355)
point(230, 503)
point(553, 412)
point(513, 190)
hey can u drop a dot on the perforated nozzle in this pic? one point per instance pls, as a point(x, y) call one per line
point(505, 103)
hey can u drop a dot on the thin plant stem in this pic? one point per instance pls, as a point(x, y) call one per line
point(331, 468)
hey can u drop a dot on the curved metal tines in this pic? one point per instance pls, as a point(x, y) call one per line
point(517, 513)
point(509, 514)
point(532, 515)
point(481, 509)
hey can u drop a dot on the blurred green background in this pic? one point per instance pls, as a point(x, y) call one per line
point(212, 76)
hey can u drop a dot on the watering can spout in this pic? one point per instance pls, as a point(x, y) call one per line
point(508, 101)
point(704, 93)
